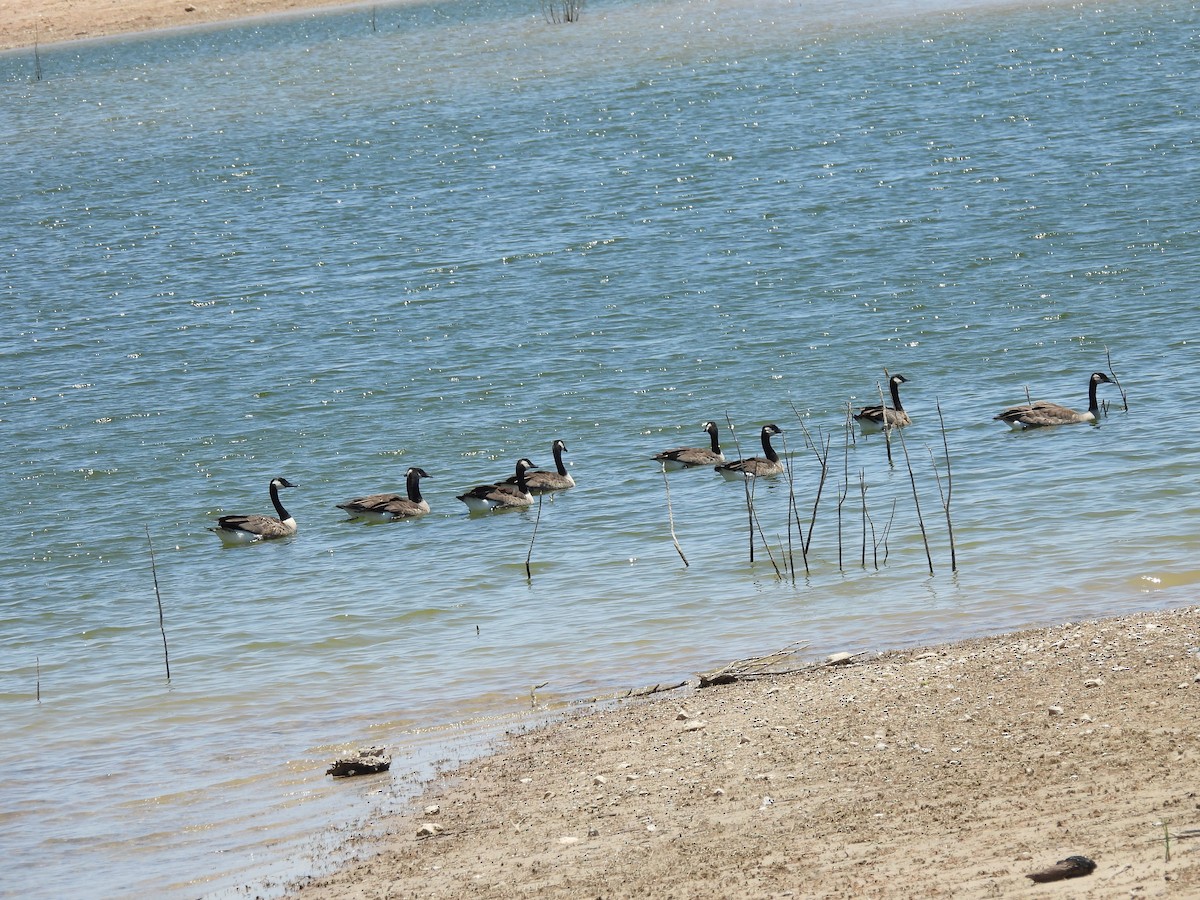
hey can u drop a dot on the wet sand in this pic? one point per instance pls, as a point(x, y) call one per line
point(948, 771)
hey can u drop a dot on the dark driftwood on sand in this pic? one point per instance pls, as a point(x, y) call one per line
point(365, 761)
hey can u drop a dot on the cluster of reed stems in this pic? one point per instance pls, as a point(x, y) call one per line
point(802, 524)
point(873, 539)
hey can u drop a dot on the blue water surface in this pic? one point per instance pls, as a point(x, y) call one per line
point(335, 246)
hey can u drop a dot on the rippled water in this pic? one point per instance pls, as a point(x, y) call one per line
point(315, 248)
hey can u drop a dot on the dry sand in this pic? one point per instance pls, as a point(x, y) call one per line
point(52, 21)
point(952, 771)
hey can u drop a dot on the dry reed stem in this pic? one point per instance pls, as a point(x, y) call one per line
point(812, 522)
point(916, 499)
point(745, 486)
point(528, 556)
point(887, 429)
point(1124, 396)
point(949, 492)
point(756, 666)
point(161, 625)
point(671, 517)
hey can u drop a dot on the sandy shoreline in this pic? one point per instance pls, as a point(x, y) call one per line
point(953, 770)
point(54, 21)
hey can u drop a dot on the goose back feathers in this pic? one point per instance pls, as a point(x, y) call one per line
point(541, 482)
point(755, 466)
point(1042, 413)
point(488, 497)
point(689, 457)
point(390, 507)
point(876, 418)
point(237, 529)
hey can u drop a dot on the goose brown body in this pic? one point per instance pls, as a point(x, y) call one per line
point(488, 497)
point(1043, 414)
point(390, 507)
point(690, 457)
point(755, 466)
point(876, 418)
point(541, 482)
point(247, 529)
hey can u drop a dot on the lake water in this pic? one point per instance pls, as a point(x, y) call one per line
point(332, 247)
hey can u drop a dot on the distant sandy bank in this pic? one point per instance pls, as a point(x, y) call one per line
point(52, 21)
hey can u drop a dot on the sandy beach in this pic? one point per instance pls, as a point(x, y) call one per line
point(53, 21)
point(946, 771)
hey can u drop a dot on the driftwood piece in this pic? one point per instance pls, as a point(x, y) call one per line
point(364, 761)
point(631, 693)
point(1071, 867)
point(652, 689)
point(777, 663)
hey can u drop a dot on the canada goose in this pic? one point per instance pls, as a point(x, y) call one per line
point(687, 457)
point(487, 497)
point(540, 482)
point(390, 507)
point(233, 530)
point(875, 418)
point(755, 466)
point(1042, 413)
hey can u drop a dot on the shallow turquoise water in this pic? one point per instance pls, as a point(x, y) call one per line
point(310, 248)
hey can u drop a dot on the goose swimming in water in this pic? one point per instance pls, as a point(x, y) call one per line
point(540, 482)
point(487, 497)
point(688, 457)
point(755, 466)
point(1042, 413)
point(390, 507)
point(875, 418)
point(234, 530)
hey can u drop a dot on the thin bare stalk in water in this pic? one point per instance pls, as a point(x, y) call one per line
point(916, 499)
point(887, 429)
point(949, 490)
point(789, 558)
point(766, 546)
point(528, 556)
point(1113, 375)
point(887, 531)
point(37, 57)
point(758, 524)
point(823, 456)
point(745, 484)
point(821, 453)
point(161, 625)
point(843, 491)
point(795, 510)
point(671, 517)
point(794, 517)
point(866, 520)
point(755, 525)
point(37, 665)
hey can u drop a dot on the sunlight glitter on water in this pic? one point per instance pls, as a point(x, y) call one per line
point(332, 254)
